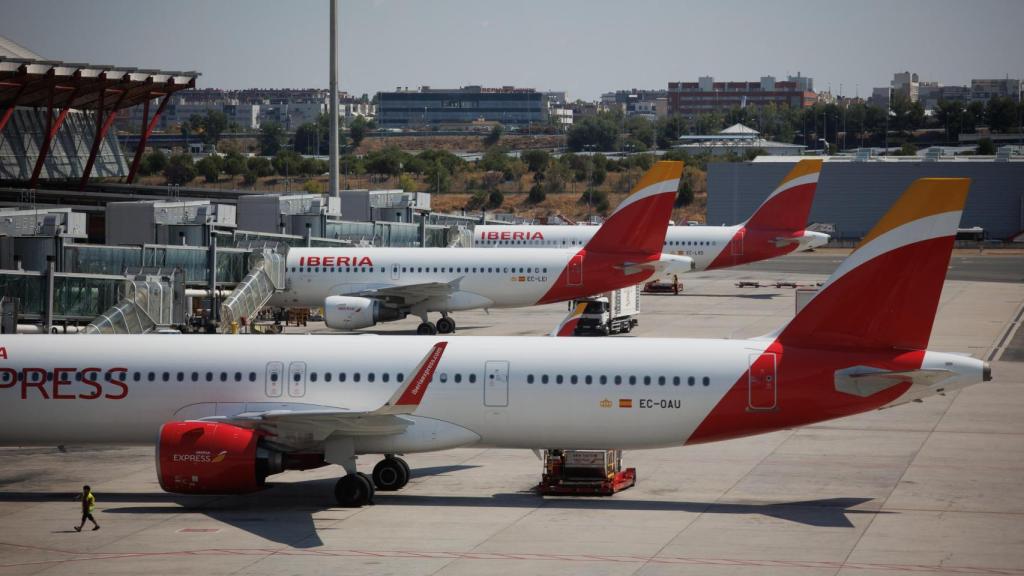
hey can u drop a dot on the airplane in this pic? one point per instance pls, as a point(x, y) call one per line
point(775, 229)
point(359, 287)
point(227, 412)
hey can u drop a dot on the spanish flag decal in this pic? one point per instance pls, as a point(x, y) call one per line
point(625, 402)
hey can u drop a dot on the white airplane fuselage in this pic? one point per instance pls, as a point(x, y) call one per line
point(486, 391)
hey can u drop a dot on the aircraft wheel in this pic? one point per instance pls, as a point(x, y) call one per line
point(390, 475)
point(446, 325)
point(426, 329)
point(369, 481)
point(408, 472)
point(352, 491)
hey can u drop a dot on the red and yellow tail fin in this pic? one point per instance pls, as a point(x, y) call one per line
point(886, 293)
point(639, 224)
point(789, 205)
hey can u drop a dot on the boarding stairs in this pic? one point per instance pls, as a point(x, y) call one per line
point(266, 276)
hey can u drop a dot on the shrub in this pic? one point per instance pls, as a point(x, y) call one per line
point(180, 169)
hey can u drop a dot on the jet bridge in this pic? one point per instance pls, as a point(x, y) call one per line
point(149, 299)
point(266, 276)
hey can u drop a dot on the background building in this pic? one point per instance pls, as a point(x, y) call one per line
point(706, 95)
point(507, 105)
point(983, 90)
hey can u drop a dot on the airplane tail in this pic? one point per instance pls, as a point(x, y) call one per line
point(885, 294)
point(788, 206)
point(639, 224)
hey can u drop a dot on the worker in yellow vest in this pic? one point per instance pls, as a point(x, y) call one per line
point(88, 505)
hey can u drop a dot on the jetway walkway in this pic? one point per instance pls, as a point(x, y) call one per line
point(266, 276)
point(150, 299)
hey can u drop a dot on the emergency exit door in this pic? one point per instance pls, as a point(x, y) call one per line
point(496, 383)
point(763, 386)
point(575, 272)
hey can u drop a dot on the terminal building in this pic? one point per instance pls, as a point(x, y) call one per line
point(853, 193)
point(461, 106)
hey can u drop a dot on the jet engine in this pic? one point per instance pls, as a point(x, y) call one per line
point(676, 264)
point(213, 458)
point(353, 312)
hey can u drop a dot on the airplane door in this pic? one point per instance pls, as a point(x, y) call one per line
point(575, 276)
point(274, 378)
point(396, 272)
point(496, 383)
point(736, 244)
point(297, 379)
point(762, 382)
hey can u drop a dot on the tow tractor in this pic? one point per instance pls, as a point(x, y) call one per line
point(584, 473)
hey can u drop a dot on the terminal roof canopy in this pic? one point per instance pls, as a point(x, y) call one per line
point(26, 79)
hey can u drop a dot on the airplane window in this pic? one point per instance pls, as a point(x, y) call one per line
point(181, 376)
point(661, 380)
point(690, 381)
point(151, 376)
point(506, 270)
point(435, 269)
point(458, 378)
point(341, 376)
point(419, 270)
point(295, 377)
point(312, 376)
point(401, 376)
point(472, 378)
point(618, 380)
point(647, 380)
point(195, 376)
point(385, 376)
point(675, 380)
point(403, 268)
point(273, 377)
point(603, 379)
point(706, 381)
point(544, 379)
point(528, 270)
point(529, 378)
point(355, 376)
point(545, 270)
point(238, 376)
point(632, 380)
point(444, 377)
point(223, 376)
point(327, 376)
point(6, 377)
point(370, 377)
point(588, 379)
point(558, 379)
point(573, 379)
point(136, 376)
point(252, 376)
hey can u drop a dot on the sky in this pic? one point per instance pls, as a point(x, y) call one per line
point(582, 47)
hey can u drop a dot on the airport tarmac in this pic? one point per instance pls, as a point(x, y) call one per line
point(929, 488)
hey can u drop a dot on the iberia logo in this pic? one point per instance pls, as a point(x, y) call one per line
point(606, 403)
point(220, 457)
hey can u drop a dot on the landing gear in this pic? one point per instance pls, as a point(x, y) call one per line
point(445, 325)
point(391, 473)
point(426, 329)
point(353, 491)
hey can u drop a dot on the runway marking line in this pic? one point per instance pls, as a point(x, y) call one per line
point(443, 555)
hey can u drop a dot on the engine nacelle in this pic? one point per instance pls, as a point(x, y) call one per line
point(353, 312)
point(213, 458)
point(676, 264)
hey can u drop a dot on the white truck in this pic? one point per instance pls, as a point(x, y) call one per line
point(610, 312)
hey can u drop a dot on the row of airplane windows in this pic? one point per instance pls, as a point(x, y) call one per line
point(618, 380)
point(581, 243)
point(427, 269)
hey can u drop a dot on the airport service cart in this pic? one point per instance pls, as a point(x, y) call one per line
point(584, 473)
point(673, 286)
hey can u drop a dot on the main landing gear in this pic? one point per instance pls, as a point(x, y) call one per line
point(445, 325)
point(355, 490)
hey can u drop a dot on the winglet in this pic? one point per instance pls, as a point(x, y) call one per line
point(640, 222)
point(415, 388)
point(568, 325)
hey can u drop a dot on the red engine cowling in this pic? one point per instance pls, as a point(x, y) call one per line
point(213, 458)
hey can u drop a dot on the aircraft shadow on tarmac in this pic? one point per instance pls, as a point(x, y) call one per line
point(284, 513)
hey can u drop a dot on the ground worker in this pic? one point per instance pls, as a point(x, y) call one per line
point(88, 505)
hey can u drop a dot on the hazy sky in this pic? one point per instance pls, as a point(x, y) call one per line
point(585, 48)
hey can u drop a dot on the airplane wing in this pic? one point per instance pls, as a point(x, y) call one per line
point(295, 429)
point(410, 293)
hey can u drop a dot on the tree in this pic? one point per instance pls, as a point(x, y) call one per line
point(260, 167)
point(950, 116)
point(668, 130)
point(973, 116)
point(287, 163)
point(494, 159)
point(209, 126)
point(249, 178)
point(596, 199)
point(907, 149)
point(272, 137)
point(406, 183)
point(357, 130)
point(312, 187)
point(1001, 114)
point(536, 160)
point(599, 132)
point(438, 177)
point(684, 196)
point(537, 194)
point(495, 199)
point(313, 167)
point(234, 164)
point(180, 169)
point(555, 177)
point(153, 162)
point(494, 135)
point(388, 161)
point(641, 131)
point(307, 139)
point(208, 168)
point(986, 147)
